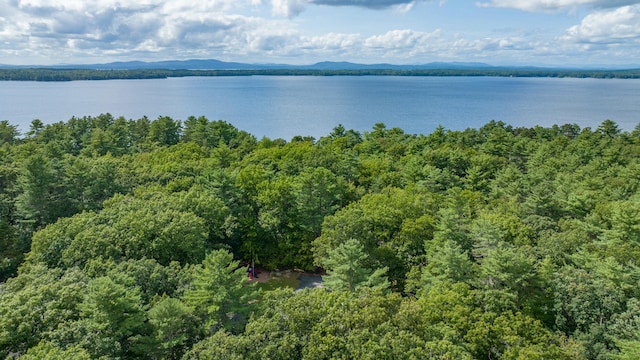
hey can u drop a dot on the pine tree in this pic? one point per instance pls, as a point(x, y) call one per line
point(219, 289)
point(346, 270)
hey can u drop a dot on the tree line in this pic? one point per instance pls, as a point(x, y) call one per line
point(53, 74)
point(125, 238)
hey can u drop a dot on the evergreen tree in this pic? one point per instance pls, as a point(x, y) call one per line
point(346, 271)
point(219, 290)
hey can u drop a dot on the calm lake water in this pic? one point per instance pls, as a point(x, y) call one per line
point(285, 106)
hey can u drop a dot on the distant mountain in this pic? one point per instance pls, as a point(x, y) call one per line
point(212, 64)
point(329, 65)
point(209, 64)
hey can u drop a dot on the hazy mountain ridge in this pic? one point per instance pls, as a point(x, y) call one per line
point(213, 64)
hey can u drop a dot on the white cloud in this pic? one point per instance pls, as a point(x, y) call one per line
point(554, 5)
point(292, 8)
point(78, 27)
point(420, 47)
point(607, 27)
point(400, 39)
point(332, 42)
point(289, 8)
point(55, 31)
point(371, 4)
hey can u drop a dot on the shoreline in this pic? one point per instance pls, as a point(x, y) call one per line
point(63, 75)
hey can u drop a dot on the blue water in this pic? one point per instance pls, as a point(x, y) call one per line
point(285, 106)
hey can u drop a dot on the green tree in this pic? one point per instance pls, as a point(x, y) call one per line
point(9, 171)
point(139, 130)
point(196, 130)
point(319, 193)
point(317, 324)
point(345, 270)
point(12, 249)
point(509, 279)
point(175, 328)
point(40, 198)
point(114, 319)
point(448, 263)
point(280, 218)
point(629, 349)
point(34, 129)
point(164, 131)
point(609, 128)
point(50, 351)
point(377, 221)
point(584, 304)
point(219, 290)
point(8, 133)
point(33, 304)
point(225, 346)
point(624, 330)
point(149, 276)
point(512, 336)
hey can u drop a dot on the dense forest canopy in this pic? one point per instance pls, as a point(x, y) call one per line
point(125, 238)
point(53, 74)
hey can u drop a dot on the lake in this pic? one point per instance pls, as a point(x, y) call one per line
point(285, 106)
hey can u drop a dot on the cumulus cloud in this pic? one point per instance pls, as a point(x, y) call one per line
point(292, 8)
point(60, 29)
point(407, 45)
point(400, 39)
point(615, 26)
point(289, 8)
point(54, 31)
point(610, 32)
point(112, 27)
point(371, 4)
point(554, 5)
point(331, 42)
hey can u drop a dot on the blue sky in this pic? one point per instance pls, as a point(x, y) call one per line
point(498, 32)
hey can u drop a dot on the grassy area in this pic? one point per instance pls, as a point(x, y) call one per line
point(279, 282)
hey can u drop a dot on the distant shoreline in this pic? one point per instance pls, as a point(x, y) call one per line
point(52, 74)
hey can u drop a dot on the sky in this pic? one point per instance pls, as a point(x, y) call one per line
point(496, 32)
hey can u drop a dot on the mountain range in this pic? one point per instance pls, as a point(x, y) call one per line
point(212, 64)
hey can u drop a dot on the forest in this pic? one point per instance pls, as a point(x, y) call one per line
point(54, 74)
point(129, 239)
